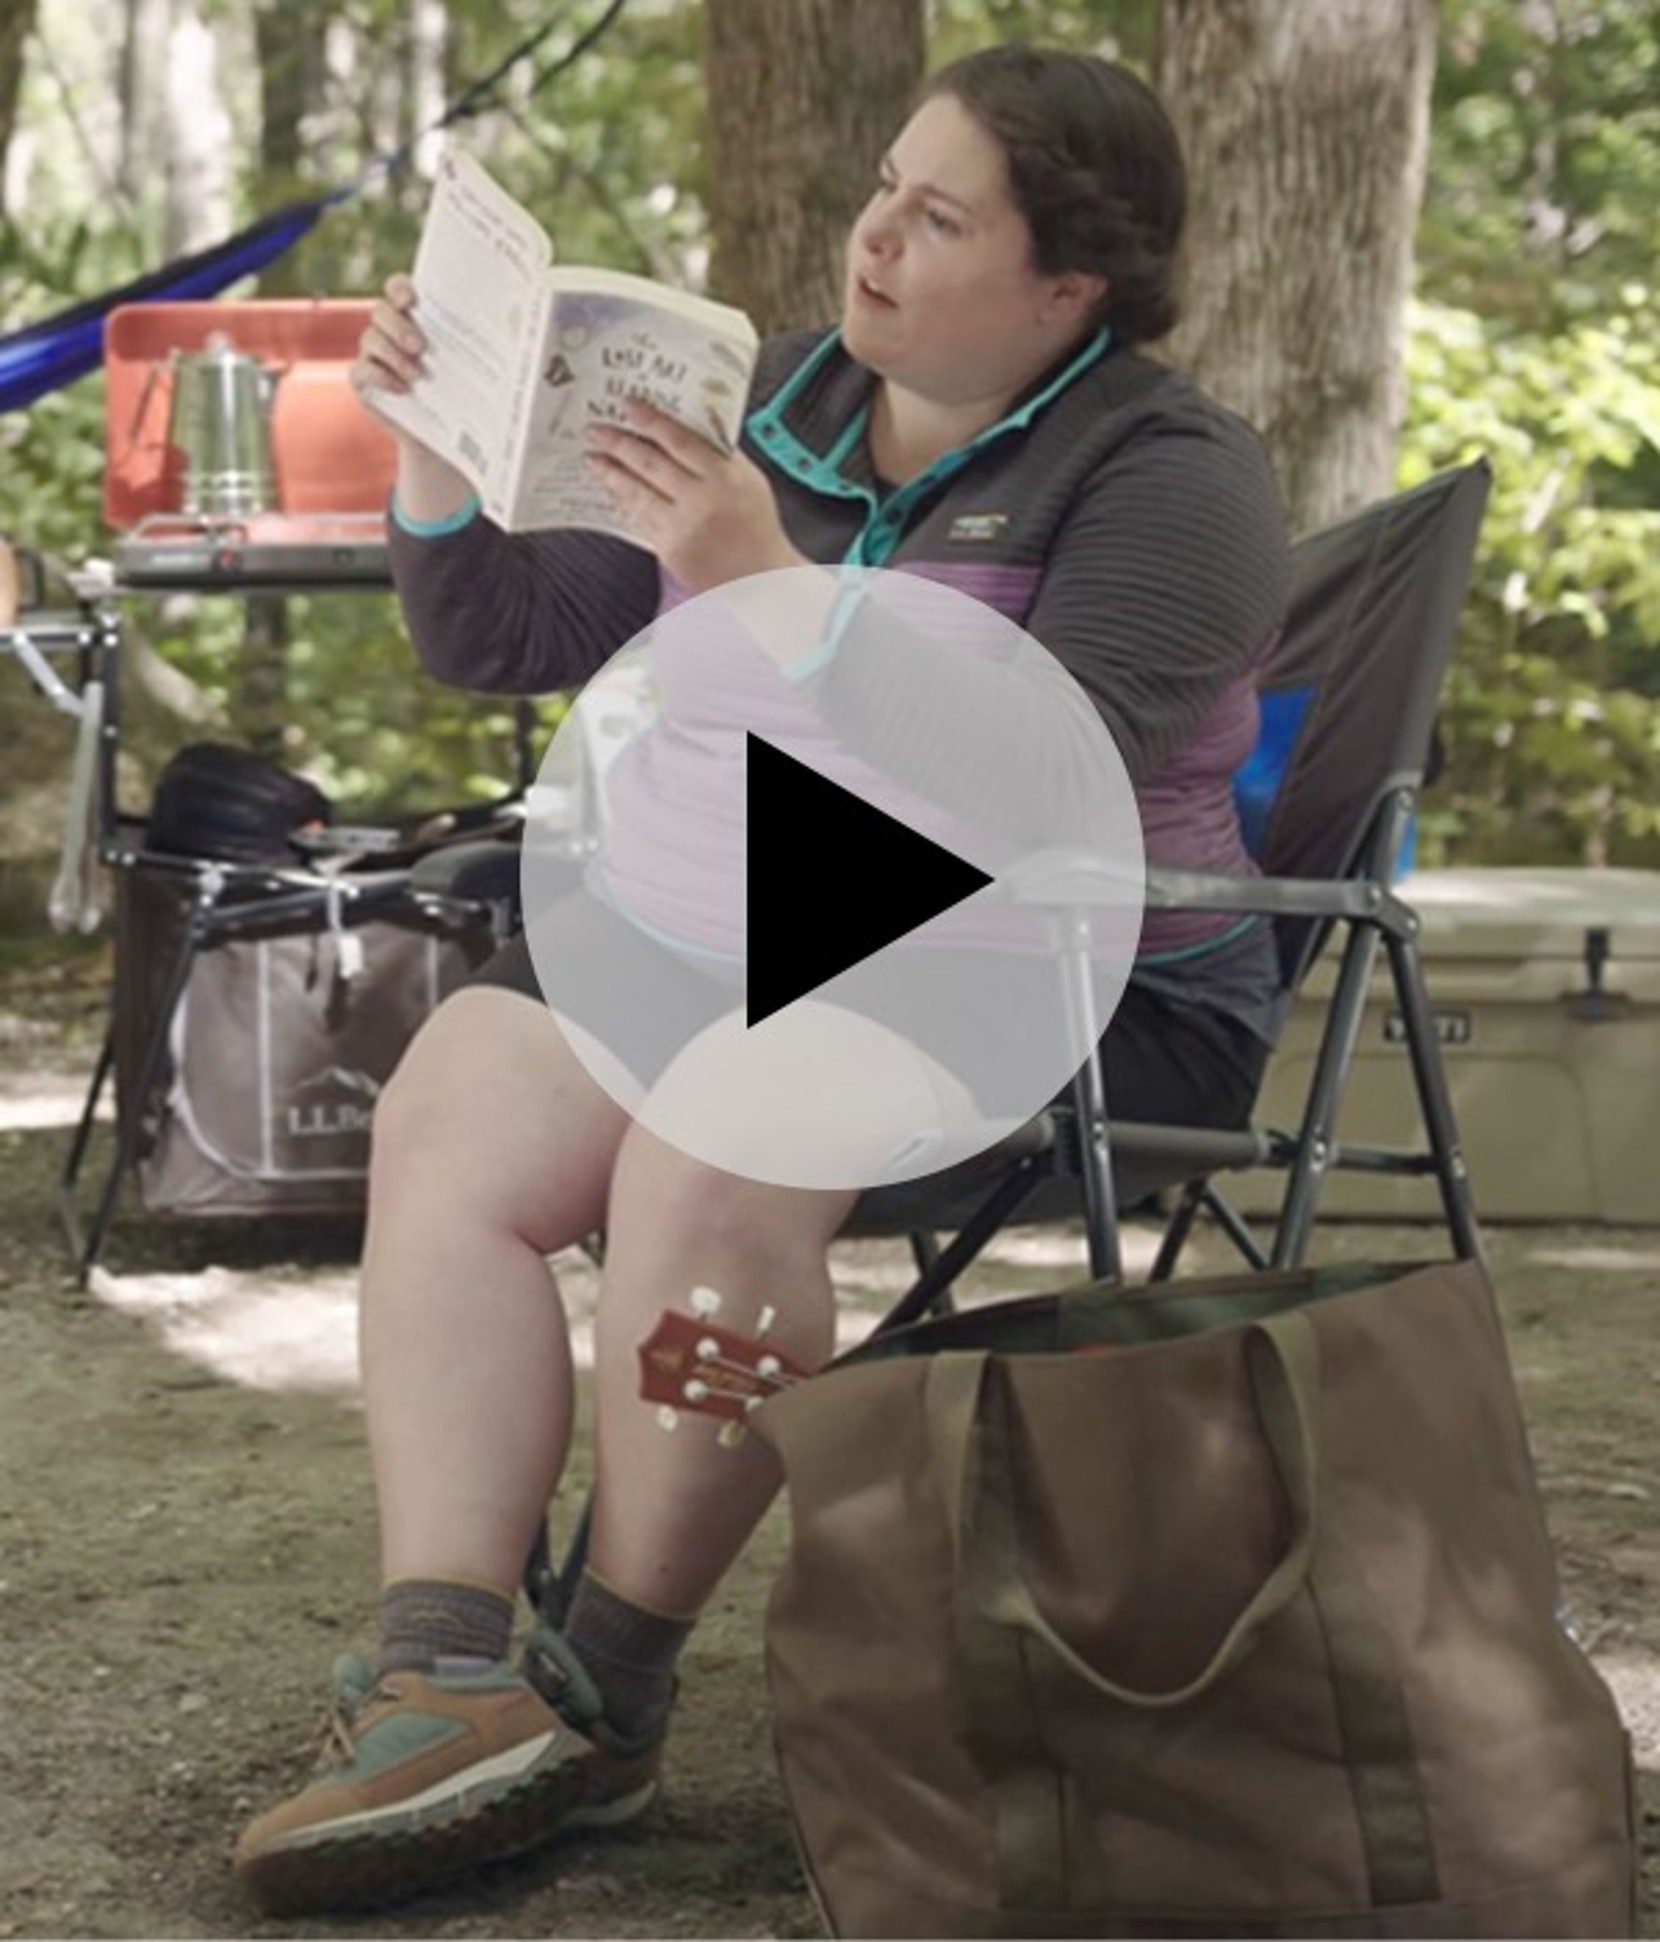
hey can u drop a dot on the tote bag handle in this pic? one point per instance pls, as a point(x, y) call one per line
point(978, 1488)
point(993, 1605)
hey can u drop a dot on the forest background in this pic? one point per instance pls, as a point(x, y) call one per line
point(1420, 231)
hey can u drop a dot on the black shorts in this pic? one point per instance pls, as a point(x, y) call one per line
point(1165, 1062)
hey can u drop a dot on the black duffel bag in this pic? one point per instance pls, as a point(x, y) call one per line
point(213, 800)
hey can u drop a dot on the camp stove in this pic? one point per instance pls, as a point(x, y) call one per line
point(237, 457)
point(247, 552)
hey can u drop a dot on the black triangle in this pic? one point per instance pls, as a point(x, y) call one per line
point(830, 879)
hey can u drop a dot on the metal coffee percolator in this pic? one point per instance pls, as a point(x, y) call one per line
point(220, 423)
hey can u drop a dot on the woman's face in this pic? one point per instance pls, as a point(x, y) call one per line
point(941, 295)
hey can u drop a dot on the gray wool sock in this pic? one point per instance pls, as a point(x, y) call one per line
point(630, 1653)
point(424, 1620)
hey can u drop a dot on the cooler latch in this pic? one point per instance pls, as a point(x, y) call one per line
point(1596, 1004)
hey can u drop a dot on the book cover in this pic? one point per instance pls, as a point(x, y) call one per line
point(522, 357)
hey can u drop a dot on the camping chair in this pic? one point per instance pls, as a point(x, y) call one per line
point(1328, 799)
point(1349, 703)
point(1349, 700)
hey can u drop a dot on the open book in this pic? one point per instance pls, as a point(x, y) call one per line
point(522, 356)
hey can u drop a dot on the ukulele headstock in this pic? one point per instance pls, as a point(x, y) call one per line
point(689, 1362)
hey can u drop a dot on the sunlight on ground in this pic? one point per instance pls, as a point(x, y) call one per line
point(284, 1328)
point(1634, 1677)
point(280, 1328)
point(1600, 1260)
point(265, 1330)
point(41, 1101)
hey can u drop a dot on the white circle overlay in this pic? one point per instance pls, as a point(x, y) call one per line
point(922, 703)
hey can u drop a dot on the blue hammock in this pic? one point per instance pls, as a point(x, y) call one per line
point(44, 356)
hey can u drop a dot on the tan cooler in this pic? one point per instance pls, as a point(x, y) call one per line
point(1545, 985)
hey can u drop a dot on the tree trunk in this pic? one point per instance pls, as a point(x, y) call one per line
point(286, 39)
point(426, 46)
point(17, 23)
point(143, 176)
point(1306, 130)
point(287, 42)
point(804, 96)
point(199, 134)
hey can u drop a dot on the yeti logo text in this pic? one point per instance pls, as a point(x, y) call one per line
point(333, 1102)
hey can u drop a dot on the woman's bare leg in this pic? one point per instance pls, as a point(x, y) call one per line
point(492, 1149)
point(673, 1509)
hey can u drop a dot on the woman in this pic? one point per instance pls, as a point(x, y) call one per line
point(1017, 247)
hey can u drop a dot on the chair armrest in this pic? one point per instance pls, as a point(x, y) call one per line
point(1351, 897)
point(1083, 879)
point(484, 872)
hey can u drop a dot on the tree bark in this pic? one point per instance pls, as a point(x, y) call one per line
point(286, 39)
point(426, 47)
point(804, 96)
point(17, 23)
point(1306, 130)
point(199, 134)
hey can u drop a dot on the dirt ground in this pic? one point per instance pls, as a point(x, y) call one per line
point(186, 1542)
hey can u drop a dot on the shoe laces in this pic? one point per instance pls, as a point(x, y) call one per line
point(335, 1742)
point(356, 1688)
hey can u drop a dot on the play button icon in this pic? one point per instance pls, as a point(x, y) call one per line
point(811, 943)
point(875, 879)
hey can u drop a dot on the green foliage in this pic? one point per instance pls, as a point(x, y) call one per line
point(1546, 157)
point(52, 471)
point(1534, 343)
point(1553, 712)
point(609, 153)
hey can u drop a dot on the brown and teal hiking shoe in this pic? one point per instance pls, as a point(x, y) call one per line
point(427, 1776)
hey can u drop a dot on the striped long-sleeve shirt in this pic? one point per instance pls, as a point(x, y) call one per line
point(1123, 519)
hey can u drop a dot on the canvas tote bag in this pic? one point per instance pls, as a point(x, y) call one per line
point(1225, 1610)
point(275, 1051)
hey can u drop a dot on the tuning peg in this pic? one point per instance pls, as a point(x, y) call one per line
point(706, 1303)
point(668, 1417)
point(695, 1390)
point(765, 1319)
point(731, 1435)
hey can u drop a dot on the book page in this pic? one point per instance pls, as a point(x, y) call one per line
point(478, 276)
point(611, 337)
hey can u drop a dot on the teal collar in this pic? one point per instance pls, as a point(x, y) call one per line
point(886, 517)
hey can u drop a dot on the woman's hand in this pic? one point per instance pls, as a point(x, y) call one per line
point(390, 357)
point(708, 515)
point(392, 349)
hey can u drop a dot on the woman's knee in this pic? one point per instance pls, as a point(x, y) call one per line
point(488, 1108)
point(703, 1214)
point(439, 1093)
